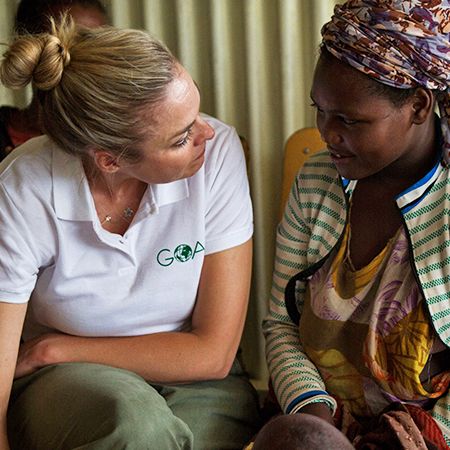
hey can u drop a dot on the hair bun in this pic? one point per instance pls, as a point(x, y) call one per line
point(38, 59)
point(49, 70)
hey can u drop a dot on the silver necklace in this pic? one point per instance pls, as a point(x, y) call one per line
point(127, 214)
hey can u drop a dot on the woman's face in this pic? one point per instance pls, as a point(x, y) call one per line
point(175, 147)
point(365, 133)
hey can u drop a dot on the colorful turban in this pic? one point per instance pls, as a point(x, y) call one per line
point(401, 43)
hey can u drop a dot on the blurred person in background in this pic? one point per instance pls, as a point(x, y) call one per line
point(33, 17)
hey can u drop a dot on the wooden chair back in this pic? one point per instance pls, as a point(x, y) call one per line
point(299, 146)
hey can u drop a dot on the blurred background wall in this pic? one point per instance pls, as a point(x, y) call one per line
point(253, 61)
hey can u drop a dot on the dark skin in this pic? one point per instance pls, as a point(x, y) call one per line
point(386, 147)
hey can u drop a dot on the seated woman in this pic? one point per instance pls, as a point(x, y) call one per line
point(125, 254)
point(33, 16)
point(358, 331)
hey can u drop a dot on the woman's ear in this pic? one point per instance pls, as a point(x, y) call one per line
point(104, 161)
point(423, 102)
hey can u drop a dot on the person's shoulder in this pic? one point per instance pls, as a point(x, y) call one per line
point(321, 156)
point(217, 124)
point(320, 162)
point(30, 161)
point(222, 131)
point(225, 145)
point(318, 171)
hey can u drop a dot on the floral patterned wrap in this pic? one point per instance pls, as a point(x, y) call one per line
point(401, 43)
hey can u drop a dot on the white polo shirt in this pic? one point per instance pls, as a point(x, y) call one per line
point(83, 280)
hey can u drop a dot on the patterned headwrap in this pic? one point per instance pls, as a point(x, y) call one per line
point(401, 43)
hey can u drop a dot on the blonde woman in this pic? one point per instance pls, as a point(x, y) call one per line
point(125, 254)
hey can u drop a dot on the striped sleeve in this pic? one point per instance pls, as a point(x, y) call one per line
point(428, 227)
point(295, 379)
point(441, 414)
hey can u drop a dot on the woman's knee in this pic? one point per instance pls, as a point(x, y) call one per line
point(145, 423)
point(93, 406)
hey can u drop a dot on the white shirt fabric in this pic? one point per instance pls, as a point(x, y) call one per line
point(83, 280)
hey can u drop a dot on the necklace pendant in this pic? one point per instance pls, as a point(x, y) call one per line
point(128, 213)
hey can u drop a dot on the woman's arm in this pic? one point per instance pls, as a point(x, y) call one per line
point(205, 352)
point(296, 380)
point(11, 322)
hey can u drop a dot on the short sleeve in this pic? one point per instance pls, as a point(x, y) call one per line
point(229, 215)
point(24, 229)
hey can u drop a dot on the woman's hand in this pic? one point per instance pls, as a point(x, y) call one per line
point(205, 352)
point(320, 410)
point(39, 352)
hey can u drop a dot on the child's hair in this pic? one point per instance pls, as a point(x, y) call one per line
point(300, 432)
point(93, 84)
point(33, 16)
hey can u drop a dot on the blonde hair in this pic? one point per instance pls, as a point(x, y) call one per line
point(93, 84)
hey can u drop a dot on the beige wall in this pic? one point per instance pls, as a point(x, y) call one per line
point(253, 61)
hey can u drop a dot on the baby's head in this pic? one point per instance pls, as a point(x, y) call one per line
point(300, 432)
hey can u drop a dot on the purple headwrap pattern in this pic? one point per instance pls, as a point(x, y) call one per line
point(401, 43)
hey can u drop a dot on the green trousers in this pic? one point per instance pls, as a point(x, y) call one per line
point(96, 407)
